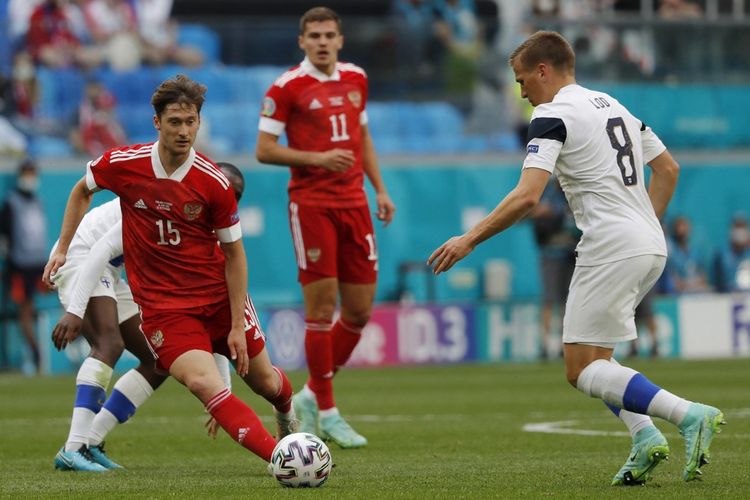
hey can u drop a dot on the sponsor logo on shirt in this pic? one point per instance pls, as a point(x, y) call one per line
point(269, 106)
point(192, 210)
point(157, 339)
point(315, 104)
point(336, 100)
point(313, 254)
point(141, 204)
point(532, 148)
point(164, 205)
point(355, 96)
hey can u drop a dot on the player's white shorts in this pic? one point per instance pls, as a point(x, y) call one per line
point(602, 299)
point(110, 284)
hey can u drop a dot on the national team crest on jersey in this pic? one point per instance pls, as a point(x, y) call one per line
point(192, 210)
point(313, 254)
point(269, 106)
point(355, 96)
point(157, 339)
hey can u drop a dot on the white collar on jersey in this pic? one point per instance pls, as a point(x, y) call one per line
point(178, 174)
point(314, 72)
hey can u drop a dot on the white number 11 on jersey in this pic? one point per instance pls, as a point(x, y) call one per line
point(338, 128)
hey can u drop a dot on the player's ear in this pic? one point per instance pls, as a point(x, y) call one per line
point(157, 125)
point(301, 42)
point(341, 42)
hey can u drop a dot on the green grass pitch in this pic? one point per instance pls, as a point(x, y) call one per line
point(435, 432)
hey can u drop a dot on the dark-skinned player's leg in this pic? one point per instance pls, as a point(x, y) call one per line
point(101, 331)
point(132, 389)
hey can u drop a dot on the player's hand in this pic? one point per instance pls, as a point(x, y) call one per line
point(66, 330)
point(336, 160)
point(212, 426)
point(55, 262)
point(386, 208)
point(449, 253)
point(238, 350)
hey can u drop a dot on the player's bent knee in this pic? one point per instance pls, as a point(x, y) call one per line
point(202, 386)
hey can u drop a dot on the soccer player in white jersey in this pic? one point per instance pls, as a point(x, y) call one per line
point(88, 285)
point(598, 151)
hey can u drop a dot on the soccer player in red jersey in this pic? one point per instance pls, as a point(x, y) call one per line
point(320, 104)
point(176, 204)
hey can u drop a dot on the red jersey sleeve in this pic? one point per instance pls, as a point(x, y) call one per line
point(276, 108)
point(100, 173)
point(223, 215)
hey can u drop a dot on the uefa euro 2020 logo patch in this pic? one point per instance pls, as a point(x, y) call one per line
point(269, 106)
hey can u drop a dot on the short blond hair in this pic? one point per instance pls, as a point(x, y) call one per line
point(545, 47)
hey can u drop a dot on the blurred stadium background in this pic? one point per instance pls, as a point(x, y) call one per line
point(445, 117)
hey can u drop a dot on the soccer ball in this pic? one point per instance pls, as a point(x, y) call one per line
point(301, 460)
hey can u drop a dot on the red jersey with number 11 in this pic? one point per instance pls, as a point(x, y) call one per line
point(170, 224)
point(319, 113)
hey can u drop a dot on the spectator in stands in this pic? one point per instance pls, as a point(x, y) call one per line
point(732, 263)
point(644, 316)
point(98, 127)
point(23, 229)
point(417, 48)
point(680, 46)
point(684, 270)
point(159, 35)
point(52, 42)
point(679, 9)
point(457, 27)
point(113, 26)
point(556, 236)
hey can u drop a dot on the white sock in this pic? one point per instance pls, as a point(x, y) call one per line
point(627, 389)
point(92, 380)
point(633, 421)
point(129, 393)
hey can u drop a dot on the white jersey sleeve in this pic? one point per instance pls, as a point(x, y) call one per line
point(598, 151)
point(108, 248)
point(652, 145)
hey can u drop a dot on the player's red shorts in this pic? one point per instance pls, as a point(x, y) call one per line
point(334, 242)
point(171, 333)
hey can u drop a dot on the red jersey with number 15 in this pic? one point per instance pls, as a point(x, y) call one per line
point(170, 224)
point(319, 113)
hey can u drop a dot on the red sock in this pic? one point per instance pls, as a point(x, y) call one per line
point(345, 338)
point(282, 401)
point(320, 362)
point(241, 423)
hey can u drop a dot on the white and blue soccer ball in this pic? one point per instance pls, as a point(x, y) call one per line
point(301, 460)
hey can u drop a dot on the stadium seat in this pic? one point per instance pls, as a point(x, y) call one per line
point(202, 38)
point(49, 147)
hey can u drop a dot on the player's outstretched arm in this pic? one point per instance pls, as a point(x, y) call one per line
point(665, 171)
point(268, 150)
point(78, 203)
point(383, 203)
point(513, 208)
point(236, 275)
